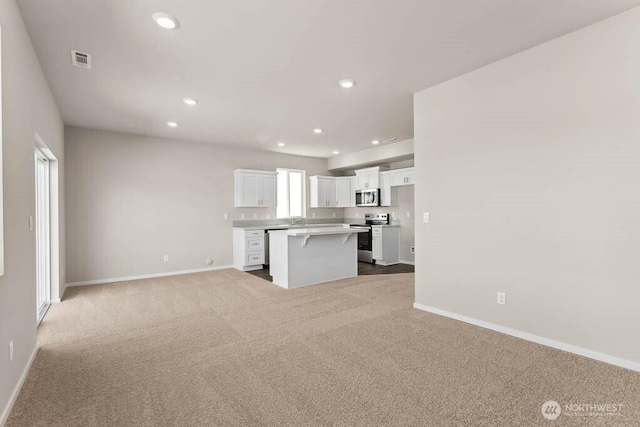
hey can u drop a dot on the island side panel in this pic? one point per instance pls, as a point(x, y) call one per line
point(324, 258)
point(279, 259)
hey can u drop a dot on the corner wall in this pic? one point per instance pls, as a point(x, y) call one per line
point(28, 108)
point(530, 170)
point(133, 199)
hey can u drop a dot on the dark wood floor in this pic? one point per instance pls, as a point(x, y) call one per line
point(364, 269)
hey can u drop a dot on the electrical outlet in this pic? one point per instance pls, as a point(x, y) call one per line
point(255, 216)
point(334, 214)
point(10, 351)
point(502, 298)
point(166, 258)
point(241, 216)
point(209, 261)
point(313, 215)
point(225, 216)
point(408, 214)
point(30, 222)
point(426, 217)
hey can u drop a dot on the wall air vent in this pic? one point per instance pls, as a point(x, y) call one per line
point(81, 59)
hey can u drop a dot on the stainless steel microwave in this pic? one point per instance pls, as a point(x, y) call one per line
point(369, 197)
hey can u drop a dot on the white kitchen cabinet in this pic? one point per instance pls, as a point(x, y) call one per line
point(388, 197)
point(368, 178)
point(345, 192)
point(389, 183)
point(403, 177)
point(254, 189)
point(386, 244)
point(322, 192)
point(354, 184)
point(249, 249)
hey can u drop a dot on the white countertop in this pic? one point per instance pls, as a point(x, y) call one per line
point(287, 226)
point(317, 231)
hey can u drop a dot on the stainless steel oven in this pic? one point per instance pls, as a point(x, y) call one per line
point(369, 197)
point(365, 240)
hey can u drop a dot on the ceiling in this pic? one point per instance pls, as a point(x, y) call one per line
point(267, 71)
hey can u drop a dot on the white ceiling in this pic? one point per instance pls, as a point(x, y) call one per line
point(266, 71)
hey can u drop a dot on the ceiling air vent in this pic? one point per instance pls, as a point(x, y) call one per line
point(81, 59)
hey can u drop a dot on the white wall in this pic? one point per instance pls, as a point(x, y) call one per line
point(530, 169)
point(27, 108)
point(132, 199)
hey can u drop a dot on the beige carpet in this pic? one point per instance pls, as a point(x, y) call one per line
point(227, 348)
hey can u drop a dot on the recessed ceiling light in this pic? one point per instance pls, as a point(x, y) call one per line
point(172, 124)
point(189, 101)
point(281, 144)
point(336, 152)
point(165, 20)
point(347, 83)
point(317, 130)
point(375, 142)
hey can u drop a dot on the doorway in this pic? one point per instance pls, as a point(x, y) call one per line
point(43, 234)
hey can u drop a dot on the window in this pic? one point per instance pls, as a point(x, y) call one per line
point(291, 194)
point(43, 235)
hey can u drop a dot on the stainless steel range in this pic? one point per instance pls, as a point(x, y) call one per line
point(365, 240)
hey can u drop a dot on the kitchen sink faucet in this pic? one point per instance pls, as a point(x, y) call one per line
point(297, 220)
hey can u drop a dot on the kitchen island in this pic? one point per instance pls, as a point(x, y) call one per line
point(306, 256)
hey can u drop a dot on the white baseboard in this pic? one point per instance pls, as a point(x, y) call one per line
point(612, 360)
point(147, 276)
point(407, 262)
point(16, 390)
point(55, 301)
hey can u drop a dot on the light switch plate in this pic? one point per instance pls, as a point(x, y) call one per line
point(502, 298)
point(426, 217)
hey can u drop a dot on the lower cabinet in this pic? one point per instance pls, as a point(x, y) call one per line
point(249, 249)
point(386, 244)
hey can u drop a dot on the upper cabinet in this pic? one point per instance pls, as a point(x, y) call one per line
point(332, 192)
point(345, 191)
point(389, 183)
point(403, 177)
point(368, 178)
point(322, 192)
point(387, 197)
point(254, 189)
